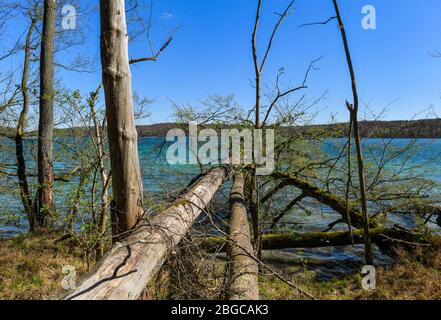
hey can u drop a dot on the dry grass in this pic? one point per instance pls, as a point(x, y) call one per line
point(31, 266)
point(412, 277)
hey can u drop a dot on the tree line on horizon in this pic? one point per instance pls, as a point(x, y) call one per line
point(108, 199)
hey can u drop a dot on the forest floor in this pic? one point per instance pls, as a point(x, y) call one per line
point(411, 277)
point(31, 268)
point(406, 280)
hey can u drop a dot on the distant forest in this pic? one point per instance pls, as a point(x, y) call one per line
point(428, 128)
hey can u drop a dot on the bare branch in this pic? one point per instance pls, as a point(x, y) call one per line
point(318, 23)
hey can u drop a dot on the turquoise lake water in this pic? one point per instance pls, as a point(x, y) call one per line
point(159, 177)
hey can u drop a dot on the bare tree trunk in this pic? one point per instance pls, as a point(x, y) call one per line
point(258, 69)
point(75, 200)
point(45, 207)
point(353, 109)
point(367, 238)
point(105, 180)
point(243, 270)
point(127, 204)
point(349, 179)
point(254, 192)
point(126, 270)
point(19, 152)
point(104, 213)
point(254, 211)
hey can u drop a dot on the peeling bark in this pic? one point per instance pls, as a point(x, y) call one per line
point(128, 267)
point(127, 204)
point(243, 269)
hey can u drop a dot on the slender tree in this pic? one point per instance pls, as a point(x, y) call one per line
point(353, 110)
point(258, 69)
point(19, 152)
point(44, 203)
point(254, 195)
point(127, 203)
point(105, 179)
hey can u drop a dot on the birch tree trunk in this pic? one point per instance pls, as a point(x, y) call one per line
point(243, 269)
point(129, 266)
point(45, 194)
point(127, 204)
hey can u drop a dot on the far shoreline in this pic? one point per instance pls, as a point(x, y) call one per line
point(406, 129)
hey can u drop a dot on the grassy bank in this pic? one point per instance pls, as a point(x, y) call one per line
point(412, 277)
point(31, 268)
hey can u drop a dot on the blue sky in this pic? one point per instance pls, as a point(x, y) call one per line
point(211, 54)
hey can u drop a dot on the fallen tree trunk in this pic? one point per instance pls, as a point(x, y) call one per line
point(125, 271)
point(429, 209)
point(243, 269)
point(324, 197)
point(386, 239)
